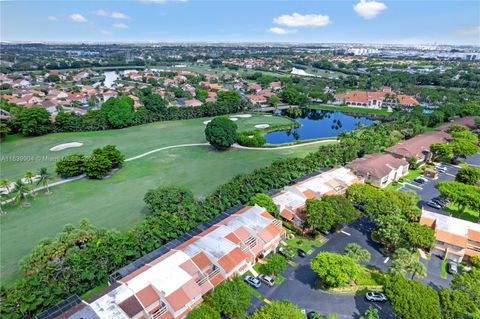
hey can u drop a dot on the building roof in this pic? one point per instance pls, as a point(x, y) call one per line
point(377, 165)
point(419, 145)
point(451, 230)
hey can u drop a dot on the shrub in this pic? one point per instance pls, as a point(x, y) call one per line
point(251, 139)
point(71, 165)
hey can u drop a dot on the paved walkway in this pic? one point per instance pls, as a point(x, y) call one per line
point(64, 181)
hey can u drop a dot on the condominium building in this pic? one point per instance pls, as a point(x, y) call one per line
point(170, 286)
point(456, 239)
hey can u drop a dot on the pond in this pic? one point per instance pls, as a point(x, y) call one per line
point(317, 124)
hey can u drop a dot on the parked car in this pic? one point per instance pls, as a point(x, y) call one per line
point(433, 204)
point(452, 268)
point(421, 180)
point(252, 281)
point(267, 280)
point(301, 253)
point(441, 201)
point(375, 296)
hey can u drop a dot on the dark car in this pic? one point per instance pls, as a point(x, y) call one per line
point(252, 281)
point(421, 180)
point(441, 201)
point(375, 296)
point(433, 204)
point(267, 280)
point(452, 268)
point(301, 253)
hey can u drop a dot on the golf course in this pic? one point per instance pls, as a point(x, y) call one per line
point(117, 202)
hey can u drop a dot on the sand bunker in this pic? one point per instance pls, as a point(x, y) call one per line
point(244, 115)
point(233, 119)
point(206, 122)
point(61, 147)
point(262, 125)
point(268, 115)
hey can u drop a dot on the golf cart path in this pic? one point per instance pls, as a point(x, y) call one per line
point(64, 181)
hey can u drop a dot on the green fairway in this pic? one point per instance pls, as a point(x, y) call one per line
point(20, 154)
point(117, 202)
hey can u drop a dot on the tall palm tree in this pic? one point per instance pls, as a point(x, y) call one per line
point(44, 178)
point(29, 176)
point(416, 268)
point(6, 184)
point(2, 196)
point(21, 191)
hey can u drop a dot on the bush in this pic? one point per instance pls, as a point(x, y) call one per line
point(71, 165)
point(97, 165)
point(169, 198)
point(251, 139)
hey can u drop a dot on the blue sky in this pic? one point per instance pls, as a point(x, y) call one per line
point(367, 21)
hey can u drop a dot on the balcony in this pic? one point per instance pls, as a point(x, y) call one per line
point(158, 313)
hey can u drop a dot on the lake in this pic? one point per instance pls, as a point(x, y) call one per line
point(317, 124)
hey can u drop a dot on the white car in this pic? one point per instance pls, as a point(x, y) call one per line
point(375, 296)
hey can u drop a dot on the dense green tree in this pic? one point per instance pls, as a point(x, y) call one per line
point(389, 231)
point(275, 264)
point(232, 298)
point(221, 132)
point(153, 102)
point(335, 270)
point(273, 101)
point(201, 94)
point(411, 299)
point(468, 175)
point(465, 135)
point(32, 121)
point(230, 98)
point(292, 96)
point(462, 194)
point(357, 253)
point(169, 198)
point(114, 155)
point(419, 236)
point(371, 313)
point(264, 201)
point(457, 304)
point(4, 130)
point(320, 215)
point(277, 310)
point(118, 112)
point(463, 148)
point(345, 211)
point(204, 311)
point(441, 152)
point(455, 128)
point(71, 165)
point(468, 282)
point(98, 165)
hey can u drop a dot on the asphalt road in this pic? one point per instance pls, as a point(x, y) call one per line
point(299, 284)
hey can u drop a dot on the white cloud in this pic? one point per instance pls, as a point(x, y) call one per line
point(300, 20)
point(369, 9)
point(105, 32)
point(115, 15)
point(120, 26)
point(119, 15)
point(470, 31)
point(281, 31)
point(77, 17)
point(52, 18)
point(101, 13)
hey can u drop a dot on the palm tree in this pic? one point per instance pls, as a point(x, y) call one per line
point(29, 176)
point(6, 184)
point(2, 212)
point(416, 268)
point(44, 177)
point(21, 191)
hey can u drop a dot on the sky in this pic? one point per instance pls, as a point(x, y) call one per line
point(337, 21)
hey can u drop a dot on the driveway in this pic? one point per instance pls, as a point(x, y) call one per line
point(433, 278)
point(299, 284)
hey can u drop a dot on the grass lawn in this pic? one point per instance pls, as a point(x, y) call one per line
point(469, 214)
point(117, 202)
point(304, 244)
point(349, 109)
point(20, 154)
point(412, 174)
point(443, 270)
